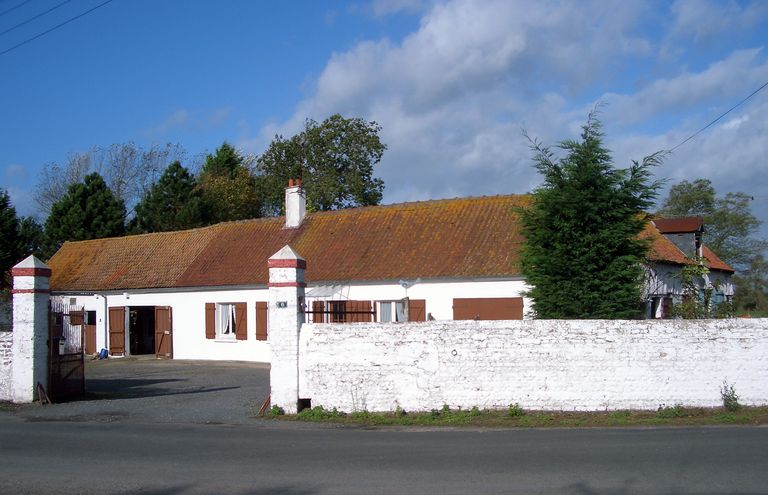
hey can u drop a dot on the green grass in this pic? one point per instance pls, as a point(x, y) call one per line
point(516, 417)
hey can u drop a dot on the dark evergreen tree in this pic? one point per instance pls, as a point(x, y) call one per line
point(228, 187)
point(582, 253)
point(89, 210)
point(173, 203)
point(9, 239)
point(31, 237)
point(224, 163)
point(335, 160)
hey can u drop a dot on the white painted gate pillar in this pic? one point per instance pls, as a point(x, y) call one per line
point(31, 294)
point(286, 315)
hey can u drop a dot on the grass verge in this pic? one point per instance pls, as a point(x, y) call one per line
point(515, 417)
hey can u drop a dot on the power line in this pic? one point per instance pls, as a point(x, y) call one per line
point(34, 17)
point(720, 117)
point(54, 28)
point(14, 8)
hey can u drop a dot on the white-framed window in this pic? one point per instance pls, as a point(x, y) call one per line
point(226, 321)
point(391, 311)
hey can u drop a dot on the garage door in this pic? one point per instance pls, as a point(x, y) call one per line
point(488, 308)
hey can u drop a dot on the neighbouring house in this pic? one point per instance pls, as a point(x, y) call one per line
point(202, 293)
point(685, 246)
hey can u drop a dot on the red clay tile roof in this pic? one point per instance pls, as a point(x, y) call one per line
point(454, 238)
point(679, 225)
point(468, 237)
point(664, 250)
point(714, 262)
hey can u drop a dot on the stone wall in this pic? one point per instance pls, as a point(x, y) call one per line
point(6, 361)
point(540, 364)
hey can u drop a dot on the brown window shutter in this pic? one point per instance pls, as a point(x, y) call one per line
point(210, 321)
point(241, 321)
point(76, 317)
point(350, 307)
point(262, 312)
point(318, 315)
point(417, 310)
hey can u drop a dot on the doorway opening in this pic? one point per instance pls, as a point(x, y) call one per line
point(141, 330)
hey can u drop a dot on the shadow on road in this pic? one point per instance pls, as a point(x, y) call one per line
point(134, 388)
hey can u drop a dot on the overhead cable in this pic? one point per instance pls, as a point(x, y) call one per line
point(54, 28)
point(720, 117)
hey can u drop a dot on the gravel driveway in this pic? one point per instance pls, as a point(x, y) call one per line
point(149, 390)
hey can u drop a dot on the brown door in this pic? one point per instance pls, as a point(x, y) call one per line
point(163, 332)
point(488, 308)
point(117, 331)
point(90, 339)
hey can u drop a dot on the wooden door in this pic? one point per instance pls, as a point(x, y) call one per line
point(163, 332)
point(117, 331)
point(90, 339)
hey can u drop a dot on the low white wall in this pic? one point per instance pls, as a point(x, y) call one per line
point(188, 314)
point(6, 361)
point(540, 364)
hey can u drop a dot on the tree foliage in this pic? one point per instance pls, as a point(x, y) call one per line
point(582, 254)
point(228, 187)
point(9, 239)
point(175, 202)
point(89, 210)
point(335, 160)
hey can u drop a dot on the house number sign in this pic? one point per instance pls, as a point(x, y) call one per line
point(282, 304)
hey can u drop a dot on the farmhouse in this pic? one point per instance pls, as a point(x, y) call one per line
point(202, 293)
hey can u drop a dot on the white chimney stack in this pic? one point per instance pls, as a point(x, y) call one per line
point(295, 204)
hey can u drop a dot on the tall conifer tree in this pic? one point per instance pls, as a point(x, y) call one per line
point(582, 254)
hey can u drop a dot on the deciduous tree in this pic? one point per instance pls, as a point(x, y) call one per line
point(334, 158)
point(582, 253)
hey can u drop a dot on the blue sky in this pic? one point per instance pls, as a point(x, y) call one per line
point(451, 82)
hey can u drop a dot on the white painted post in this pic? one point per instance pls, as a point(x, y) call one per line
point(286, 315)
point(31, 294)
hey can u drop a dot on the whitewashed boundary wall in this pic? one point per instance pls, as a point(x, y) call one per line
point(6, 361)
point(540, 364)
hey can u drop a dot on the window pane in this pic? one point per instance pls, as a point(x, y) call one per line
point(386, 312)
point(400, 309)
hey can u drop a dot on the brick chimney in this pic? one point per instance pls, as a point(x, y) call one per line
point(295, 204)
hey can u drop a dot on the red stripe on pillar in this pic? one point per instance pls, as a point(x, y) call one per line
point(287, 284)
point(31, 272)
point(30, 291)
point(287, 264)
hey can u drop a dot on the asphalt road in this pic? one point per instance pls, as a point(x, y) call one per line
point(274, 457)
point(175, 427)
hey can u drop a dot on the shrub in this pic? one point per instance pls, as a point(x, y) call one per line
point(515, 410)
point(668, 412)
point(730, 397)
point(319, 413)
point(276, 411)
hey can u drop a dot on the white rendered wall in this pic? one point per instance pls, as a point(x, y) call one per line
point(188, 313)
point(439, 295)
point(540, 364)
point(189, 340)
point(6, 362)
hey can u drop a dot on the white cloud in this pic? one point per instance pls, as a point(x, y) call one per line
point(189, 120)
point(703, 20)
point(717, 83)
point(14, 172)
